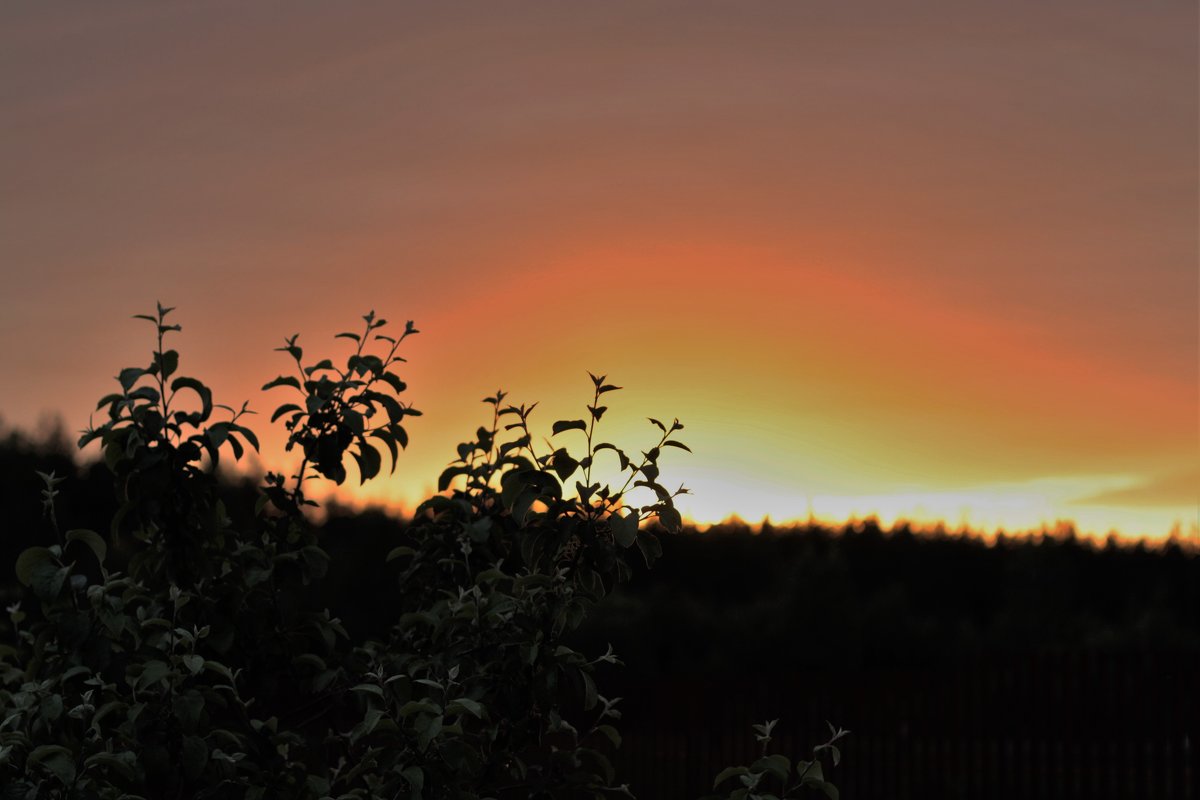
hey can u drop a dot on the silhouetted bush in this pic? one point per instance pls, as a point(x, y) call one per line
point(207, 665)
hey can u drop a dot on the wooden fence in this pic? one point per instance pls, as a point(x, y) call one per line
point(1089, 726)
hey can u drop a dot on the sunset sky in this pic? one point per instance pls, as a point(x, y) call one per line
point(936, 261)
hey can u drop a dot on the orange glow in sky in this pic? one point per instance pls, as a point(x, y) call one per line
point(935, 265)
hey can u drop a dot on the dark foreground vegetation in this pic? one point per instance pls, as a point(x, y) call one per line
point(173, 636)
point(1031, 667)
point(1038, 666)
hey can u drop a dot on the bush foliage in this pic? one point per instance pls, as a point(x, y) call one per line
point(205, 668)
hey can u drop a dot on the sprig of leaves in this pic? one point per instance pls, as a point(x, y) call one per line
point(341, 409)
point(774, 777)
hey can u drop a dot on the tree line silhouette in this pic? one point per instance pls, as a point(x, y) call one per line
point(1033, 666)
point(775, 597)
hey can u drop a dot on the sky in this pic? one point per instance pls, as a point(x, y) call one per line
point(933, 261)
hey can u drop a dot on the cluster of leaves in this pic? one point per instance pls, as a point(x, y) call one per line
point(205, 669)
point(337, 408)
point(774, 777)
point(498, 569)
point(181, 676)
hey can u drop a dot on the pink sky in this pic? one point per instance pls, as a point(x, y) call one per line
point(933, 262)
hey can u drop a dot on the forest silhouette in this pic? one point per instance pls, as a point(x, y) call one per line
point(1042, 665)
point(736, 594)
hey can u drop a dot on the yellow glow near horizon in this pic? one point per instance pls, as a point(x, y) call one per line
point(829, 426)
point(1042, 505)
point(934, 277)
